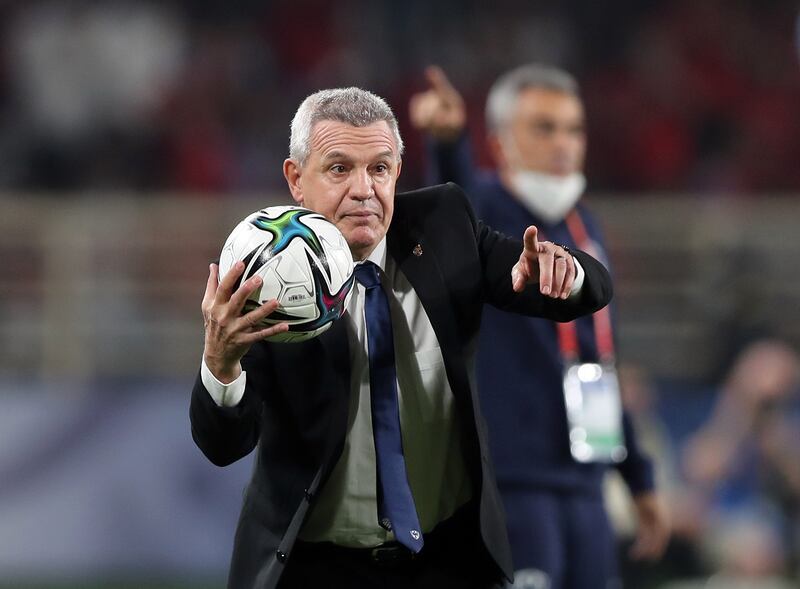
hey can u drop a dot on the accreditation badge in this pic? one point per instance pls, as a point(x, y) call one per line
point(594, 413)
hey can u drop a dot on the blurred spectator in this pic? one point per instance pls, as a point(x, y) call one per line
point(189, 95)
point(87, 77)
point(704, 97)
point(741, 466)
point(746, 553)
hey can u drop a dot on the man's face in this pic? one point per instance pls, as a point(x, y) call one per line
point(349, 177)
point(546, 133)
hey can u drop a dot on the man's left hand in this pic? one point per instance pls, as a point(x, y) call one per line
point(653, 531)
point(546, 263)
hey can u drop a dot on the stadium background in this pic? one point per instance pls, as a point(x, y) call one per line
point(133, 135)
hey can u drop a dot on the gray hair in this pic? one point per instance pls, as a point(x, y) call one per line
point(353, 106)
point(504, 92)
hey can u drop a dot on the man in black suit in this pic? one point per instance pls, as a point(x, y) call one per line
point(374, 472)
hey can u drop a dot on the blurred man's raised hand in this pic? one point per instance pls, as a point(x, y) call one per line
point(439, 110)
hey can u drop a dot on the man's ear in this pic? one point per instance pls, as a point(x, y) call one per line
point(292, 172)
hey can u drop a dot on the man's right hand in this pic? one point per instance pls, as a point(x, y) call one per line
point(228, 333)
point(438, 111)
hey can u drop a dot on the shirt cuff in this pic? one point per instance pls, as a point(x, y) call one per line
point(224, 395)
point(577, 284)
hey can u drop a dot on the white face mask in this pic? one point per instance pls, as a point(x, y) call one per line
point(547, 196)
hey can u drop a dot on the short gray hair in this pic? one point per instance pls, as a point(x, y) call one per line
point(504, 92)
point(353, 106)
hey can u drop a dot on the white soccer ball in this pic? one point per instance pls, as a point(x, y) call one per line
point(305, 264)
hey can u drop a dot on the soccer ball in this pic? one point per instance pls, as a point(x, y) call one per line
point(305, 264)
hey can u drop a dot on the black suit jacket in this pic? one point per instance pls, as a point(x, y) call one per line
point(295, 406)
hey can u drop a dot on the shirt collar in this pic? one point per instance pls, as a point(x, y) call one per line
point(378, 255)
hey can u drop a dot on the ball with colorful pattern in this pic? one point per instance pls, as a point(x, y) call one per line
point(304, 262)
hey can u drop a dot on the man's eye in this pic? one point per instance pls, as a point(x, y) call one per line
point(578, 130)
point(338, 169)
point(381, 168)
point(544, 128)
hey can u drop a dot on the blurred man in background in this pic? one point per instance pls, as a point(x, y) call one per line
point(550, 460)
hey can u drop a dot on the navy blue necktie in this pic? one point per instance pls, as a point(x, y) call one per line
point(396, 510)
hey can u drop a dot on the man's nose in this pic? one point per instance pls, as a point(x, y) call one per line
point(362, 186)
point(563, 140)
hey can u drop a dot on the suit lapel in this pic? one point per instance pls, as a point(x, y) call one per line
point(337, 349)
point(335, 345)
point(417, 261)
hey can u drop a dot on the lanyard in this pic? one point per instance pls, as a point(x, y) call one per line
point(568, 332)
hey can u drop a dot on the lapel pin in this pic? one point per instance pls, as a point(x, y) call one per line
point(417, 251)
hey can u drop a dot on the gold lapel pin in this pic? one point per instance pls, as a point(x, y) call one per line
point(417, 251)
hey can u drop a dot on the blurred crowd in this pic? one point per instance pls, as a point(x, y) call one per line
point(194, 96)
point(743, 475)
point(730, 474)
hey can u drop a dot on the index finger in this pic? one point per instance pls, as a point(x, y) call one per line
point(530, 241)
point(211, 283)
point(440, 82)
point(228, 282)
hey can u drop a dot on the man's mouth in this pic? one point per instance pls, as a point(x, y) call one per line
point(361, 213)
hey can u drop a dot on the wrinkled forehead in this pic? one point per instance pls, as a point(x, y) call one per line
point(335, 136)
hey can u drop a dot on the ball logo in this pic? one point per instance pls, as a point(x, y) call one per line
point(284, 228)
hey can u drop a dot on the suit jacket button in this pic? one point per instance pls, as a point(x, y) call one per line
point(307, 495)
point(281, 556)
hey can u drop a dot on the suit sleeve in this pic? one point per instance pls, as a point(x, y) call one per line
point(499, 254)
point(450, 161)
point(637, 468)
point(226, 434)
